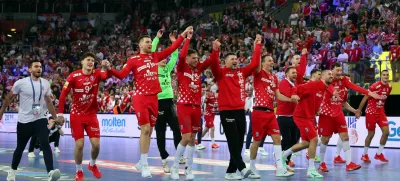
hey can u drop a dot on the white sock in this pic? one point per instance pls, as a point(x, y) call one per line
point(287, 153)
point(346, 148)
point(143, 159)
point(380, 149)
point(319, 141)
point(212, 140)
point(190, 156)
point(311, 164)
point(339, 147)
point(179, 152)
point(365, 150)
point(252, 163)
point(92, 162)
point(78, 167)
point(278, 155)
point(322, 150)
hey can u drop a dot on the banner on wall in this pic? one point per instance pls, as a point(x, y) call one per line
point(126, 125)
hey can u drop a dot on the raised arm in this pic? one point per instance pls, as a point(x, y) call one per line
point(174, 56)
point(182, 55)
point(215, 68)
point(213, 57)
point(166, 52)
point(301, 68)
point(156, 40)
point(255, 60)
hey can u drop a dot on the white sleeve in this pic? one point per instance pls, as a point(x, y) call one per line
point(16, 89)
point(47, 88)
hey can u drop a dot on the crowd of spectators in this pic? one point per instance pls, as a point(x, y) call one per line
point(347, 31)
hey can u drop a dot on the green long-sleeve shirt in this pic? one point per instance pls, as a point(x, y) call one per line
point(164, 73)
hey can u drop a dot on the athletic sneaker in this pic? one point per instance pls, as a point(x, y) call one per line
point(365, 158)
point(165, 166)
point(214, 145)
point(200, 147)
point(188, 173)
point(232, 176)
point(146, 171)
point(139, 166)
point(54, 175)
point(317, 159)
point(282, 172)
point(381, 158)
point(262, 151)
point(323, 167)
point(174, 173)
point(95, 171)
point(352, 166)
point(56, 150)
point(79, 176)
point(338, 159)
point(11, 175)
point(313, 173)
point(245, 172)
point(31, 155)
point(254, 174)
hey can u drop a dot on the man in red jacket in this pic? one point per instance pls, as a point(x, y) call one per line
point(310, 95)
point(231, 100)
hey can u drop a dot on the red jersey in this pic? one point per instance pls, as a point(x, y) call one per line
point(125, 99)
point(231, 82)
point(84, 92)
point(285, 108)
point(394, 52)
point(309, 94)
point(145, 70)
point(265, 85)
point(376, 106)
point(189, 79)
point(211, 103)
point(331, 105)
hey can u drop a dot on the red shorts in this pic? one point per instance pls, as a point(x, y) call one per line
point(373, 119)
point(306, 127)
point(146, 109)
point(328, 125)
point(88, 123)
point(209, 118)
point(189, 117)
point(263, 123)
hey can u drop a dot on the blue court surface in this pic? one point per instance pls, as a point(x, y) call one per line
point(119, 155)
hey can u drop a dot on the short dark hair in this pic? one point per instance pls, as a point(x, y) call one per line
point(191, 51)
point(88, 54)
point(385, 71)
point(143, 37)
point(33, 61)
point(229, 54)
point(263, 58)
point(289, 68)
point(336, 65)
point(313, 71)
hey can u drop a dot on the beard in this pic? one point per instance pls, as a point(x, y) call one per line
point(37, 75)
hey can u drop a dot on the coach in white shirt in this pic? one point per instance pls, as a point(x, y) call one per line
point(34, 100)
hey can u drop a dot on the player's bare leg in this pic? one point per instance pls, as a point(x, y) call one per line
point(379, 155)
point(205, 130)
point(94, 153)
point(350, 166)
point(145, 135)
point(187, 142)
point(368, 139)
point(78, 155)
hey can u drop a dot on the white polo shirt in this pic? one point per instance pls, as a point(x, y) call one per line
point(23, 87)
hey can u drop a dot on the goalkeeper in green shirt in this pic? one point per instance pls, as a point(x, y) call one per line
point(166, 107)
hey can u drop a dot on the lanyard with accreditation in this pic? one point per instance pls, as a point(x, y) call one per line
point(36, 105)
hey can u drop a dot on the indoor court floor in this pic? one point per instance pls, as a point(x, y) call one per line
point(119, 155)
